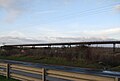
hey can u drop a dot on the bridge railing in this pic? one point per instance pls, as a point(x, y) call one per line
point(18, 72)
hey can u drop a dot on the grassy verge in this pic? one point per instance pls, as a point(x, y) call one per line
point(116, 68)
point(55, 61)
point(3, 78)
point(82, 63)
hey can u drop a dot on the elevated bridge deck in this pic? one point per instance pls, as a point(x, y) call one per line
point(66, 43)
point(69, 43)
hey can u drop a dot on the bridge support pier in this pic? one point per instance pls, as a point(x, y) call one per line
point(114, 48)
point(49, 46)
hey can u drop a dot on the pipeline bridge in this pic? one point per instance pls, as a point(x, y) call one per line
point(69, 44)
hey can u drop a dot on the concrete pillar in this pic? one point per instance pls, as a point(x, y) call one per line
point(114, 47)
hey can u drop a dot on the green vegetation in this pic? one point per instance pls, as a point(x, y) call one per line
point(3, 78)
point(82, 56)
point(56, 61)
point(117, 68)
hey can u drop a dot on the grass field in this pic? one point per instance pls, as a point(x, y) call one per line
point(2, 78)
point(56, 61)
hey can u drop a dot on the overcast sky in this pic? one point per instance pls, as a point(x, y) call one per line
point(60, 18)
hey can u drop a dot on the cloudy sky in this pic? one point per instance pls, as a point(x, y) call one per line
point(60, 18)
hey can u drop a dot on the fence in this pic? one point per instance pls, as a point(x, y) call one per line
point(8, 70)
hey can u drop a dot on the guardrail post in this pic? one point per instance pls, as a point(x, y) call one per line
point(117, 79)
point(43, 74)
point(8, 71)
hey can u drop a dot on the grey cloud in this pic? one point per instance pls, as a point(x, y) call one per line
point(13, 8)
